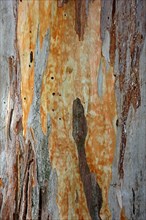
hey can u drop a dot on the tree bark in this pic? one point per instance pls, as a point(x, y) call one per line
point(72, 109)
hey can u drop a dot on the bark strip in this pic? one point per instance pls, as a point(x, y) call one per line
point(91, 188)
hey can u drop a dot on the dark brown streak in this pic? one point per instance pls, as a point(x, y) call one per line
point(81, 15)
point(91, 188)
point(113, 34)
point(11, 63)
point(60, 3)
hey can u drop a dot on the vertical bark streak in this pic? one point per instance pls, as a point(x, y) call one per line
point(91, 188)
point(127, 49)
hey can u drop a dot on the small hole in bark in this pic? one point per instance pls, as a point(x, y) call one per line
point(65, 14)
point(141, 37)
point(60, 119)
point(31, 57)
point(29, 65)
point(53, 110)
point(52, 77)
point(108, 17)
point(53, 93)
point(30, 32)
point(117, 122)
point(24, 98)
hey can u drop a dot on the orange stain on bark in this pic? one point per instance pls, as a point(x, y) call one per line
point(123, 217)
point(72, 71)
point(1, 182)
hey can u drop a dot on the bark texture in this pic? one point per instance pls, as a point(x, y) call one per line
point(73, 109)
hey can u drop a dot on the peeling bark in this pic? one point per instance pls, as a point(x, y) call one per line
point(63, 157)
point(127, 48)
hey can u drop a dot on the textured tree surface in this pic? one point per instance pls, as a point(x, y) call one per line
point(73, 109)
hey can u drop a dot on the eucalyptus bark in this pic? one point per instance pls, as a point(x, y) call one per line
point(69, 149)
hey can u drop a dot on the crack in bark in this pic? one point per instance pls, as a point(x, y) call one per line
point(24, 201)
point(133, 193)
point(9, 124)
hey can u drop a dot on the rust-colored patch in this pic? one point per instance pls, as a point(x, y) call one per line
point(123, 217)
point(1, 182)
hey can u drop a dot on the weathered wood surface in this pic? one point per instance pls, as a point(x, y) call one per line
point(72, 109)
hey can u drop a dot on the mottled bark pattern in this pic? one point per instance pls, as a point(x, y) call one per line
point(91, 188)
point(28, 184)
point(12, 132)
point(126, 22)
point(63, 157)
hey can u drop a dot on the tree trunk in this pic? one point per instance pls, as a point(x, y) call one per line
point(73, 109)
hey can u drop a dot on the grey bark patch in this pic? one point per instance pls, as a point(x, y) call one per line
point(34, 120)
point(41, 195)
point(100, 81)
point(53, 208)
point(106, 46)
point(91, 188)
point(7, 26)
point(130, 67)
point(9, 99)
point(106, 17)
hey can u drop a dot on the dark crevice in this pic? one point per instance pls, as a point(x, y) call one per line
point(16, 214)
point(133, 193)
point(23, 204)
point(40, 204)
